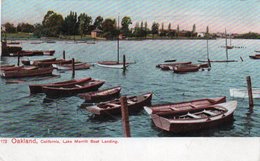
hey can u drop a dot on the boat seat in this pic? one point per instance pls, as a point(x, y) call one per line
point(193, 116)
point(174, 108)
point(78, 86)
point(113, 104)
point(209, 113)
point(130, 102)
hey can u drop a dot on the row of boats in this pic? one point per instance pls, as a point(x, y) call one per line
point(173, 117)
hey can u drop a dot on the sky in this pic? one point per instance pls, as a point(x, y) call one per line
point(237, 16)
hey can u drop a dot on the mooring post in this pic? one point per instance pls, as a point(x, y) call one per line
point(124, 61)
point(209, 63)
point(125, 118)
point(64, 54)
point(73, 68)
point(241, 58)
point(249, 89)
point(18, 61)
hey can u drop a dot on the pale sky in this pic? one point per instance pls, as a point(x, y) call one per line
point(238, 16)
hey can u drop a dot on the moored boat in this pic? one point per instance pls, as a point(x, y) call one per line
point(173, 107)
point(54, 92)
point(243, 92)
point(167, 66)
point(27, 72)
point(134, 104)
point(256, 56)
point(112, 64)
point(35, 62)
point(195, 119)
point(103, 95)
point(37, 88)
point(11, 68)
point(185, 68)
point(77, 66)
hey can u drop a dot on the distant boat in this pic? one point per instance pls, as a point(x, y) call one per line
point(194, 119)
point(171, 60)
point(256, 56)
point(185, 68)
point(258, 51)
point(50, 41)
point(167, 66)
point(243, 92)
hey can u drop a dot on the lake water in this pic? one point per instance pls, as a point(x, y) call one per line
point(22, 115)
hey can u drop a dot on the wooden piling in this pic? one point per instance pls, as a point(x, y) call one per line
point(249, 89)
point(73, 68)
point(64, 56)
point(18, 59)
point(241, 58)
point(124, 63)
point(125, 118)
point(209, 63)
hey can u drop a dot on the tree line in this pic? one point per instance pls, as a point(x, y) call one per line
point(54, 25)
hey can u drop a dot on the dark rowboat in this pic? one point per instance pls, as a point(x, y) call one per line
point(134, 104)
point(172, 107)
point(77, 66)
point(27, 72)
point(172, 60)
point(195, 119)
point(54, 92)
point(35, 62)
point(33, 52)
point(37, 88)
point(58, 62)
point(256, 56)
point(217, 61)
point(185, 68)
point(169, 65)
point(103, 95)
point(11, 68)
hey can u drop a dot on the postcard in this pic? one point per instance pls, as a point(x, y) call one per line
point(123, 80)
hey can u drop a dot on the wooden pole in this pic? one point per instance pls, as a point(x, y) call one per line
point(124, 65)
point(64, 56)
point(73, 68)
point(125, 118)
point(249, 89)
point(241, 58)
point(18, 61)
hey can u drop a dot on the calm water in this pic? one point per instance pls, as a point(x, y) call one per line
point(22, 115)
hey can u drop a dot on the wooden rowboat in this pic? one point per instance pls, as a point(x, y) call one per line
point(134, 104)
point(172, 107)
point(256, 56)
point(243, 92)
point(27, 72)
point(111, 64)
point(185, 68)
point(11, 68)
point(77, 66)
point(50, 63)
point(167, 66)
point(37, 88)
point(195, 119)
point(103, 95)
point(54, 92)
point(35, 62)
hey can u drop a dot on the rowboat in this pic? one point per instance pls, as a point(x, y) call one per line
point(57, 61)
point(37, 88)
point(77, 66)
point(168, 65)
point(35, 62)
point(27, 72)
point(185, 68)
point(195, 119)
point(256, 56)
point(11, 68)
point(243, 92)
point(112, 64)
point(33, 52)
point(172, 107)
point(103, 95)
point(134, 104)
point(258, 51)
point(170, 60)
point(54, 92)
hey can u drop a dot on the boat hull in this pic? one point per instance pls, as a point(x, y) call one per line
point(20, 73)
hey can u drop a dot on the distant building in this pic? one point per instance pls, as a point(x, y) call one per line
point(200, 34)
point(96, 33)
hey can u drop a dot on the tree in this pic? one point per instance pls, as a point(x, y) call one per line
point(178, 31)
point(145, 28)
point(9, 28)
point(25, 27)
point(98, 22)
point(193, 30)
point(162, 33)
point(52, 24)
point(126, 21)
point(109, 28)
point(38, 29)
point(155, 28)
point(169, 27)
point(70, 25)
point(84, 24)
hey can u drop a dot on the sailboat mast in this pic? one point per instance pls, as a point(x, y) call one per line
point(118, 39)
point(226, 44)
point(207, 48)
